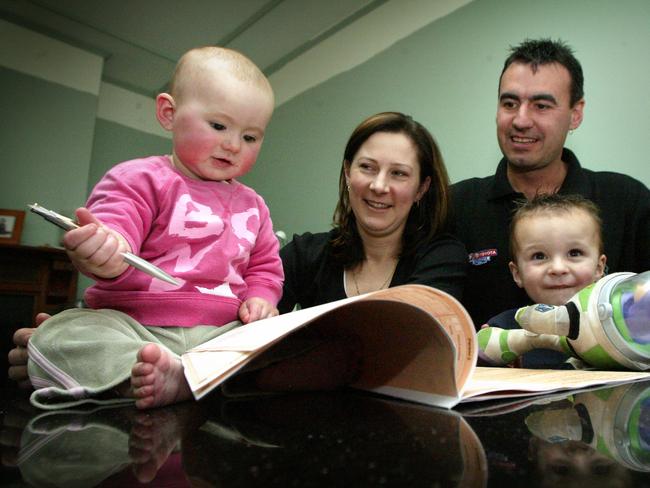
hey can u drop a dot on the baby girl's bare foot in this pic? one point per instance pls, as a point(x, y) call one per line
point(157, 378)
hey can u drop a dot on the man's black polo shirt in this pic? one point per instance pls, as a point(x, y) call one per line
point(482, 210)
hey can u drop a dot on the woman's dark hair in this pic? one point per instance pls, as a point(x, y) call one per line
point(426, 219)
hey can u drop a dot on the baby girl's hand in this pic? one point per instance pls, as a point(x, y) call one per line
point(255, 309)
point(95, 249)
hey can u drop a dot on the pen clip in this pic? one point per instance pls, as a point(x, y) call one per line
point(57, 219)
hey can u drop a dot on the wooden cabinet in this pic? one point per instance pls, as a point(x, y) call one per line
point(32, 280)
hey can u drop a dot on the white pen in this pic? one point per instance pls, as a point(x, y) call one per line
point(137, 262)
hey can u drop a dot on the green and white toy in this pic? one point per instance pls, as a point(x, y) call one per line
point(606, 325)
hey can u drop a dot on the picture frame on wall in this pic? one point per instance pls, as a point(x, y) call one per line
point(11, 225)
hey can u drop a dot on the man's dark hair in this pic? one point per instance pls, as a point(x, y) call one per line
point(536, 52)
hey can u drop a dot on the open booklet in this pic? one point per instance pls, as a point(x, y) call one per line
point(418, 344)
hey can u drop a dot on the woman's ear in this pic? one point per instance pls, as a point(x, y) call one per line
point(346, 171)
point(165, 108)
point(424, 187)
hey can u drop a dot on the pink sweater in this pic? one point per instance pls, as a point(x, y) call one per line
point(216, 239)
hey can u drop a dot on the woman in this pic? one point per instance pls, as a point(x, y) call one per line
point(388, 224)
point(388, 230)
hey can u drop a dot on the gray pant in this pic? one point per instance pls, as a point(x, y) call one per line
point(80, 355)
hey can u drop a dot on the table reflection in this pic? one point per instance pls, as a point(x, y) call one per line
point(117, 446)
point(595, 436)
point(591, 438)
point(598, 437)
point(334, 439)
point(315, 439)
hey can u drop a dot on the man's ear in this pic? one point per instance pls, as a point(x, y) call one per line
point(514, 270)
point(577, 112)
point(165, 108)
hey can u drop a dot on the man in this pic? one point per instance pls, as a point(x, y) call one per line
point(540, 101)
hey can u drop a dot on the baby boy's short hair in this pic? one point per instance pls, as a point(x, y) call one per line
point(554, 203)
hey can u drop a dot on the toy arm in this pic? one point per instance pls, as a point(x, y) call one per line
point(547, 319)
point(500, 346)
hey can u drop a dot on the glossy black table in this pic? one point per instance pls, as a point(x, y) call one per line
point(346, 438)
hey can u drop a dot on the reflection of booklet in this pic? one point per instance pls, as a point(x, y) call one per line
point(504, 405)
point(419, 344)
point(374, 440)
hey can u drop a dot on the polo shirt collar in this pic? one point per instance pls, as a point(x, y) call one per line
point(574, 182)
point(501, 187)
